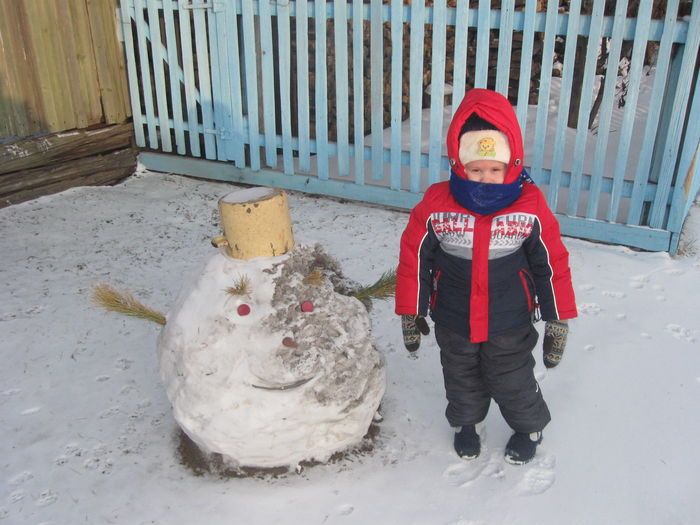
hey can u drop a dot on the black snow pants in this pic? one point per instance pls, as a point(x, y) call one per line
point(500, 369)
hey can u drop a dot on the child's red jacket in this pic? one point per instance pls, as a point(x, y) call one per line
point(481, 275)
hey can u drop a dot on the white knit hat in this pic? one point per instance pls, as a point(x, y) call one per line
point(487, 144)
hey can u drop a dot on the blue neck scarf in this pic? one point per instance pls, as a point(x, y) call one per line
point(483, 198)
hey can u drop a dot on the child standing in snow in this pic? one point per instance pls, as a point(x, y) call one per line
point(477, 252)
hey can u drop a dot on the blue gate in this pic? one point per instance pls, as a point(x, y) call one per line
point(352, 98)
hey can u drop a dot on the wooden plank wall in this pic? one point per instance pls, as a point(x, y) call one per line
point(62, 67)
point(37, 166)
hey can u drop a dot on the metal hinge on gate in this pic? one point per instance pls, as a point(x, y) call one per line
point(215, 6)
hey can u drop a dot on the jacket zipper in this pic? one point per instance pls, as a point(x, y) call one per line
point(524, 278)
point(433, 296)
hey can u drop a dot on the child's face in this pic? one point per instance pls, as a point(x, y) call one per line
point(487, 171)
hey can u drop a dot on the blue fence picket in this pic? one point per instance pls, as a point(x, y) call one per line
point(505, 45)
point(567, 80)
point(589, 76)
point(376, 59)
point(233, 131)
point(321, 91)
point(134, 92)
point(437, 93)
point(267, 67)
point(303, 112)
point(159, 75)
point(635, 75)
point(189, 81)
point(396, 92)
point(285, 63)
point(416, 93)
point(605, 113)
point(204, 78)
point(145, 72)
point(219, 83)
point(688, 182)
point(175, 75)
point(526, 63)
point(680, 103)
point(251, 83)
point(483, 34)
point(544, 91)
point(358, 92)
point(341, 87)
point(460, 53)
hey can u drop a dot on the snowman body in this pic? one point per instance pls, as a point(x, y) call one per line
point(283, 373)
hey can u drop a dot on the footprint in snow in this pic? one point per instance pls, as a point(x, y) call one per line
point(345, 510)
point(614, 295)
point(46, 497)
point(679, 332)
point(464, 472)
point(539, 477)
point(589, 308)
point(495, 467)
point(20, 478)
point(17, 495)
point(536, 481)
point(11, 392)
point(638, 281)
point(123, 363)
point(674, 271)
point(113, 411)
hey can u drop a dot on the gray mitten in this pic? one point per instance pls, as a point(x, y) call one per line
point(412, 326)
point(555, 333)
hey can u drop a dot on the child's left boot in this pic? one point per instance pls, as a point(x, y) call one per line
point(467, 442)
point(521, 447)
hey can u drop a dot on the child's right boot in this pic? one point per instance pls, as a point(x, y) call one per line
point(521, 447)
point(467, 442)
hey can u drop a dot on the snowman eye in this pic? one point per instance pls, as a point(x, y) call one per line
point(243, 309)
point(307, 306)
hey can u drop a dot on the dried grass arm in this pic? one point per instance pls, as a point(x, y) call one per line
point(124, 303)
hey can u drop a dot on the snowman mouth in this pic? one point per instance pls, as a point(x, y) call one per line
point(286, 386)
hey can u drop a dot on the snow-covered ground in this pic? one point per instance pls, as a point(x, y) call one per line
point(88, 435)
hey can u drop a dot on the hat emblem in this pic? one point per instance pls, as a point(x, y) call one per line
point(487, 147)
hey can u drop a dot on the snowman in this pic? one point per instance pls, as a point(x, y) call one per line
point(266, 358)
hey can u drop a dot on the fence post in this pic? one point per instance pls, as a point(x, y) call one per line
point(688, 187)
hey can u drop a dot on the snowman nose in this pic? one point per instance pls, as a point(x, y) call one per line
point(289, 342)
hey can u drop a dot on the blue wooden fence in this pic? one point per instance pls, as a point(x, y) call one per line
point(250, 83)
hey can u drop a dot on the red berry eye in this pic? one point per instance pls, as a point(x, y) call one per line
point(243, 309)
point(307, 306)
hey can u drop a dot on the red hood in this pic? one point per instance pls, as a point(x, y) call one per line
point(496, 109)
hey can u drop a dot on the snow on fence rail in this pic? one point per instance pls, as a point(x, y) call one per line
point(351, 99)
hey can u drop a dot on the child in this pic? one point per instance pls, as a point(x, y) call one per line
point(476, 253)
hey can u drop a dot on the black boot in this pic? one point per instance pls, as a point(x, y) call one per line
point(467, 442)
point(521, 447)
